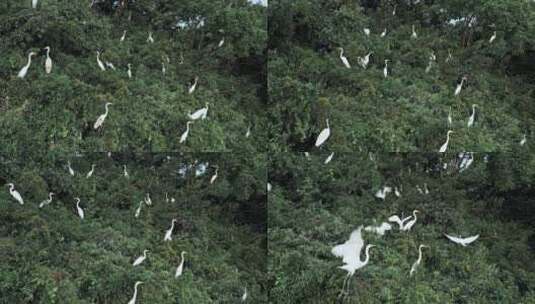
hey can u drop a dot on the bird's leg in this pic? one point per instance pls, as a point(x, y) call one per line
point(343, 287)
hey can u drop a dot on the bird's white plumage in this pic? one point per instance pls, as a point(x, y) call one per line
point(214, 177)
point(184, 135)
point(180, 267)
point(344, 59)
point(100, 120)
point(79, 209)
point(48, 61)
point(22, 73)
point(47, 201)
point(472, 118)
point(138, 210)
point(329, 158)
point(15, 194)
point(169, 232)
point(201, 113)
point(324, 134)
point(462, 241)
point(418, 261)
point(444, 147)
point(100, 64)
point(141, 258)
point(134, 297)
point(380, 230)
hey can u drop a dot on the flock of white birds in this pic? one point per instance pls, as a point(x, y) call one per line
point(168, 236)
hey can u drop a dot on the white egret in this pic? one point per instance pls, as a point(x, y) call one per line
point(47, 201)
point(24, 70)
point(180, 267)
point(163, 68)
point(444, 147)
point(473, 116)
point(383, 34)
point(71, 171)
point(350, 254)
point(123, 36)
point(90, 173)
point(324, 134)
point(138, 210)
point(134, 297)
point(268, 187)
point(194, 85)
point(150, 39)
point(492, 38)
point(213, 178)
point(125, 173)
point(101, 118)
point(100, 64)
point(380, 230)
point(110, 65)
point(397, 192)
point(400, 222)
point(414, 35)
point(381, 193)
point(148, 201)
point(426, 190)
point(129, 72)
point(329, 158)
point(344, 58)
point(450, 120)
point(201, 113)
point(221, 42)
point(467, 160)
point(169, 231)
point(248, 132)
point(140, 259)
point(48, 61)
point(34, 3)
point(184, 135)
point(367, 31)
point(417, 263)
point(15, 194)
point(408, 226)
point(523, 141)
point(244, 296)
point(394, 11)
point(385, 70)
point(460, 86)
point(462, 241)
point(449, 58)
point(79, 209)
point(363, 61)
point(419, 189)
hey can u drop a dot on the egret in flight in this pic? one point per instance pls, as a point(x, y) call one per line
point(184, 135)
point(408, 226)
point(180, 267)
point(169, 231)
point(460, 86)
point(71, 171)
point(344, 58)
point(445, 145)
point(79, 209)
point(101, 118)
point(90, 173)
point(15, 194)
point(385, 70)
point(48, 61)
point(201, 113)
point(493, 37)
point(462, 241)
point(140, 259)
point(214, 177)
point(417, 263)
point(194, 85)
point(380, 230)
point(350, 254)
point(414, 35)
point(134, 297)
point(47, 201)
point(129, 72)
point(123, 36)
point(24, 70)
point(150, 39)
point(472, 117)
point(324, 134)
point(100, 64)
point(138, 210)
point(329, 158)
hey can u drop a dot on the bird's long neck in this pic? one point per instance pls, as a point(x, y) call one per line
point(172, 225)
point(106, 106)
point(48, 53)
point(11, 187)
point(182, 262)
point(29, 60)
point(341, 52)
point(419, 254)
point(187, 126)
point(367, 258)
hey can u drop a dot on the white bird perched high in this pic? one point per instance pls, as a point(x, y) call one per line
point(34, 3)
point(414, 35)
point(110, 65)
point(493, 37)
point(408, 226)
point(444, 147)
point(138, 210)
point(466, 160)
point(472, 118)
point(129, 72)
point(380, 230)
point(125, 173)
point(350, 254)
point(201, 113)
point(244, 296)
point(324, 134)
point(79, 209)
point(417, 263)
point(214, 177)
point(462, 241)
point(140, 259)
point(148, 201)
point(363, 61)
point(123, 36)
point(221, 42)
point(15, 194)
point(397, 192)
point(100, 64)
point(47, 201)
point(90, 173)
point(344, 58)
point(460, 86)
point(192, 88)
point(381, 193)
point(400, 222)
point(184, 135)
point(329, 158)
point(180, 267)
point(385, 70)
point(383, 34)
point(150, 39)
point(101, 118)
point(169, 231)
point(367, 31)
point(48, 61)
point(71, 171)
point(134, 297)
point(24, 70)
point(523, 141)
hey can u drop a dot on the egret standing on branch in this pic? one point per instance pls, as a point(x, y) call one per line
point(24, 70)
point(473, 116)
point(363, 61)
point(414, 35)
point(34, 3)
point(492, 38)
point(129, 72)
point(134, 297)
point(15, 194)
point(411, 223)
point(48, 61)
point(47, 201)
point(194, 85)
point(385, 70)
point(100, 64)
point(184, 135)
point(445, 145)
point(460, 86)
point(138, 210)
point(383, 34)
point(71, 171)
point(417, 263)
point(140, 259)
point(169, 231)
point(90, 173)
point(123, 36)
point(329, 158)
point(344, 58)
point(79, 209)
point(101, 118)
point(180, 267)
point(125, 173)
point(201, 113)
point(213, 178)
point(324, 134)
